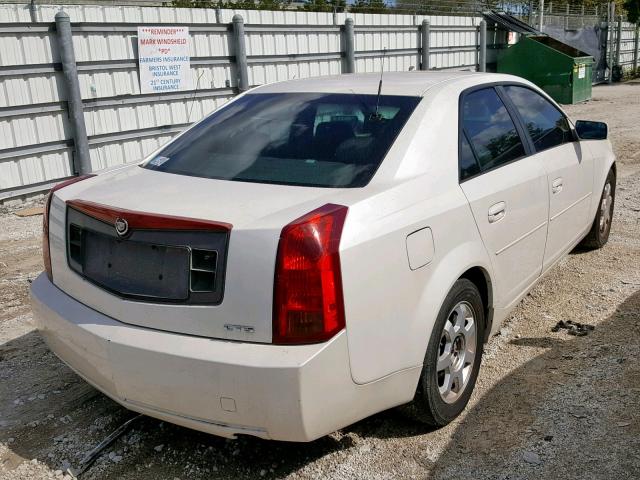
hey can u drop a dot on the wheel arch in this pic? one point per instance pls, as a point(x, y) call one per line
point(482, 280)
point(470, 261)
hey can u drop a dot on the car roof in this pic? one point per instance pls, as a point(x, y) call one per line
point(414, 83)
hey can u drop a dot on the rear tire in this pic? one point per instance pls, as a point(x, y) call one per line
point(599, 233)
point(453, 357)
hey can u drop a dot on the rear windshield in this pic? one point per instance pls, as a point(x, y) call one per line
point(312, 139)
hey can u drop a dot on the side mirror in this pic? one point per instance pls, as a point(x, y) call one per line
point(587, 130)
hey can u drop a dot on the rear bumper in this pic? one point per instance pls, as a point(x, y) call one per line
point(225, 388)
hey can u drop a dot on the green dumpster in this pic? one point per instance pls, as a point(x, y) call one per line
point(560, 70)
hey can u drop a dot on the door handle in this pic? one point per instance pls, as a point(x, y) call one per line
point(556, 186)
point(497, 211)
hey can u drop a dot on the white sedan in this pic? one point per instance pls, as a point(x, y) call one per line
point(314, 252)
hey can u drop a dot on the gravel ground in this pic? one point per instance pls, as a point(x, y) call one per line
point(546, 404)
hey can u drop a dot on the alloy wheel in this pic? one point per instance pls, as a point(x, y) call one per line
point(605, 208)
point(457, 352)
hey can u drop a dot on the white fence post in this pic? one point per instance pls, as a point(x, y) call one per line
point(541, 15)
point(349, 47)
point(33, 11)
point(636, 53)
point(619, 40)
point(425, 34)
point(240, 53)
point(610, 33)
point(482, 55)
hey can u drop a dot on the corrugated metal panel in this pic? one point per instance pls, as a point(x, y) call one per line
point(16, 131)
point(105, 120)
point(28, 170)
point(463, 40)
point(10, 174)
point(30, 128)
point(57, 165)
point(283, 17)
point(283, 42)
point(127, 151)
point(116, 13)
point(25, 48)
point(268, 73)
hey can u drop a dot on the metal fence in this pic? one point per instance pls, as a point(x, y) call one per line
point(626, 44)
point(421, 7)
point(37, 122)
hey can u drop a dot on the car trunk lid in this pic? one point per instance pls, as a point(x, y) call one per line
point(196, 256)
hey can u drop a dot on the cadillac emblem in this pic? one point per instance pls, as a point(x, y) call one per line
point(122, 227)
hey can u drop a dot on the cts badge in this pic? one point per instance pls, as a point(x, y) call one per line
point(239, 328)
point(122, 227)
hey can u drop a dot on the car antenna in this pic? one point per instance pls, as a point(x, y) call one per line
point(376, 115)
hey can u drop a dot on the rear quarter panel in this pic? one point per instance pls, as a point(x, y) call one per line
point(391, 309)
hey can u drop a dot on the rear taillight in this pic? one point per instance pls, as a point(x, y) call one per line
point(46, 252)
point(308, 306)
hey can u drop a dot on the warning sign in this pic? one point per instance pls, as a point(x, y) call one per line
point(163, 57)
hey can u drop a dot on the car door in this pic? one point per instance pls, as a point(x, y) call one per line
point(569, 168)
point(506, 189)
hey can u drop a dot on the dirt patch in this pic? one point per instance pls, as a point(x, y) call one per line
point(546, 404)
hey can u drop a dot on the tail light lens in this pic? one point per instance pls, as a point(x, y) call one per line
point(308, 305)
point(46, 251)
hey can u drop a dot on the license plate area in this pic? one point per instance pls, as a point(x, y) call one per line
point(173, 266)
point(137, 269)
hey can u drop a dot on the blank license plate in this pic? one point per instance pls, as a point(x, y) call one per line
point(138, 269)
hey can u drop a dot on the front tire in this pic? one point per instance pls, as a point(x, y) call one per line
point(599, 233)
point(453, 357)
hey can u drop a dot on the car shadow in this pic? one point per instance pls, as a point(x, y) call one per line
point(43, 404)
point(580, 250)
point(551, 416)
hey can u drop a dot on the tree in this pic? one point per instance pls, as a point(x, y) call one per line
point(193, 4)
point(426, 7)
point(272, 4)
point(237, 4)
point(318, 6)
point(369, 6)
point(633, 10)
point(325, 6)
point(338, 5)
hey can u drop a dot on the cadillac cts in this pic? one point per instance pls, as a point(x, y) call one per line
point(314, 252)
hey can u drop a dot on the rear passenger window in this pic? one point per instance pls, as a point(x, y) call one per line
point(468, 165)
point(490, 129)
point(546, 125)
